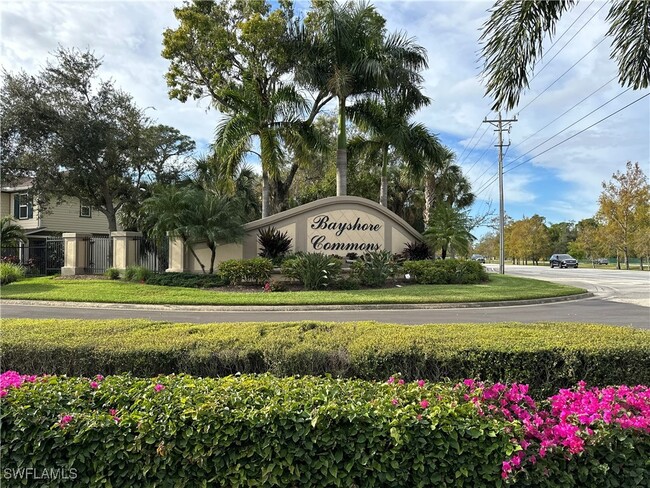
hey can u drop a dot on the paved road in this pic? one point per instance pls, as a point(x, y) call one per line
point(621, 298)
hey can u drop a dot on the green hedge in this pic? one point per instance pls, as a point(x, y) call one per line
point(446, 272)
point(179, 431)
point(186, 280)
point(547, 356)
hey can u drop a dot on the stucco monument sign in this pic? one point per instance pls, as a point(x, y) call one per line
point(335, 225)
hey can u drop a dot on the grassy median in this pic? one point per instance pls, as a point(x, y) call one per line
point(107, 291)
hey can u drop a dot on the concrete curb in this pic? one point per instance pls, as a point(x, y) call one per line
point(294, 308)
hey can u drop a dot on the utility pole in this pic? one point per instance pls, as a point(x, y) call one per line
point(499, 124)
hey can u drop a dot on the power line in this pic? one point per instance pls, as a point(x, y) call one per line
point(483, 154)
point(493, 178)
point(572, 37)
point(475, 144)
point(569, 110)
point(578, 133)
point(569, 126)
point(562, 75)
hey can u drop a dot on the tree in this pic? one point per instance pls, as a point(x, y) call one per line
point(448, 228)
point(587, 243)
point(561, 235)
point(623, 206)
point(10, 232)
point(347, 54)
point(195, 216)
point(76, 135)
point(240, 56)
point(513, 36)
point(526, 239)
point(386, 127)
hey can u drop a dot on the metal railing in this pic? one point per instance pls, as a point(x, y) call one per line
point(151, 255)
point(100, 254)
point(40, 258)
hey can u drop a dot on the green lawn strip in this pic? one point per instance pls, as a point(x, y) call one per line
point(107, 291)
point(544, 355)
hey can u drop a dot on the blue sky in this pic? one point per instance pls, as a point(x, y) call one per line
point(561, 184)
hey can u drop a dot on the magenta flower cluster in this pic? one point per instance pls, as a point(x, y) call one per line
point(12, 379)
point(569, 421)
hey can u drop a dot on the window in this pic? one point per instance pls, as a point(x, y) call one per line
point(24, 205)
point(85, 211)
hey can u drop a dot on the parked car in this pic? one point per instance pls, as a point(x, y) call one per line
point(563, 261)
point(601, 261)
point(478, 257)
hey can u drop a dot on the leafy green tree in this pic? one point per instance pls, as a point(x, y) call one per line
point(623, 207)
point(513, 36)
point(449, 229)
point(561, 235)
point(76, 135)
point(346, 54)
point(10, 232)
point(587, 244)
point(240, 55)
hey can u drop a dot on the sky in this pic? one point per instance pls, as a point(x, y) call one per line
point(561, 184)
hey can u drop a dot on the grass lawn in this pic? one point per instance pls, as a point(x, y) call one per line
point(107, 291)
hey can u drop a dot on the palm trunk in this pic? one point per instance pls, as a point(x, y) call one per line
point(429, 189)
point(342, 154)
point(383, 190)
point(266, 195)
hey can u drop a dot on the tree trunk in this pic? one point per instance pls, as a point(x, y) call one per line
point(266, 195)
point(627, 258)
point(213, 256)
point(383, 190)
point(342, 154)
point(429, 190)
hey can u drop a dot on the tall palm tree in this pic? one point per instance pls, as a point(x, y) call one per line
point(434, 167)
point(349, 54)
point(387, 127)
point(10, 232)
point(513, 36)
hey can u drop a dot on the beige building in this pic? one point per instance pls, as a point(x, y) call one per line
point(334, 225)
point(70, 215)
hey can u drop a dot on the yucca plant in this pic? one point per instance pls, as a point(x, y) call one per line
point(313, 270)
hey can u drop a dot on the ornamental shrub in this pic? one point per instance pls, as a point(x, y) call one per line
point(267, 431)
point(416, 251)
point(374, 268)
point(446, 271)
point(186, 280)
point(10, 272)
point(547, 356)
point(237, 271)
point(314, 270)
point(137, 273)
point(112, 273)
point(275, 244)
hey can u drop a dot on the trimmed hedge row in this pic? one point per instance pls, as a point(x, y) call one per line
point(446, 272)
point(547, 356)
point(264, 431)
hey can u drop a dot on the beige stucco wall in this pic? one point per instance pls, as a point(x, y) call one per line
point(335, 225)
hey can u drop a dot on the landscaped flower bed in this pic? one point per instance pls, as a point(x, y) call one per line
point(269, 431)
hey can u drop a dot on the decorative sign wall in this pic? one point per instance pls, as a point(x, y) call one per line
point(345, 231)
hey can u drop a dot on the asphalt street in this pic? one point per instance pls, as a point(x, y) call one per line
point(620, 298)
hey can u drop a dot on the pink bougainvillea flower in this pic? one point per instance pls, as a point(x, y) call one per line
point(391, 380)
point(99, 377)
point(400, 382)
point(424, 404)
point(65, 420)
point(421, 383)
point(419, 417)
point(159, 387)
point(394, 401)
point(3, 393)
point(94, 385)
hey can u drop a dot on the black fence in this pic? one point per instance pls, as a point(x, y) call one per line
point(151, 255)
point(39, 258)
point(100, 254)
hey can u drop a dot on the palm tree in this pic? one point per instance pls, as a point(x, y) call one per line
point(10, 232)
point(513, 36)
point(348, 54)
point(434, 167)
point(386, 123)
point(448, 228)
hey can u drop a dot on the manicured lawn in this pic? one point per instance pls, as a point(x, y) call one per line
point(497, 289)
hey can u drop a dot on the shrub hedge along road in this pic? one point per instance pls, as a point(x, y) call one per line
point(547, 356)
point(179, 431)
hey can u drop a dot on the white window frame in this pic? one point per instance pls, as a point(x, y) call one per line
point(23, 197)
point(81, 211)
